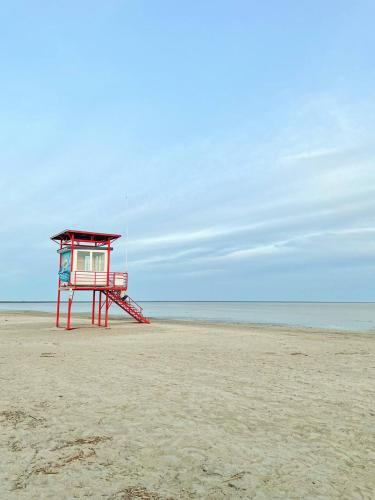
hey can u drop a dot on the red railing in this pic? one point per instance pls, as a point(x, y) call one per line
point(134, 304)
point(99, 279)
point(125, 301)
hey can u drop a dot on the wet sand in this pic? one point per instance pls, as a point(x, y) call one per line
point(184, 410)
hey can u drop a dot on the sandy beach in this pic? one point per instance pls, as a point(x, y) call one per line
point(184, 410)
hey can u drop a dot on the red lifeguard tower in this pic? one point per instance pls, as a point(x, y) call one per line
point(85, 265)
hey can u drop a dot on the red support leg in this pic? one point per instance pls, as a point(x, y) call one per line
point(58, 309)
point(93, 308)
point(100, 309)
point(69, 312)
point(106, 295)
point(106, 310)
point(58, 291)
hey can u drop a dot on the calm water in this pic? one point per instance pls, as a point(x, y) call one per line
point(341, 316)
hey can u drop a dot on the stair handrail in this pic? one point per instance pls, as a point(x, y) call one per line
point(130, 301)
point(134, 303)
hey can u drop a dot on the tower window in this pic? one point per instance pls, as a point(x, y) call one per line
point(98, 261)
point(83, 261)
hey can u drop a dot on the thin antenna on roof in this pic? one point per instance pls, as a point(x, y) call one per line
point(126, 231)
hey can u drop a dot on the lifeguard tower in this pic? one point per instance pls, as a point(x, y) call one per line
point(84, 264)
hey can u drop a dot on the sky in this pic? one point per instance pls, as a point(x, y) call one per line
point(241, 134)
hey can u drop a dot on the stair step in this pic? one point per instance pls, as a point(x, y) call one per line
point(127, 307)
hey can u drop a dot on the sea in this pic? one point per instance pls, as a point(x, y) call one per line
point(346, 316)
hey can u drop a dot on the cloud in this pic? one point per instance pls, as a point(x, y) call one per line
point(233, 206)
point(290, 244)
point(312, 154)
point(168, 258)
point(207, 233)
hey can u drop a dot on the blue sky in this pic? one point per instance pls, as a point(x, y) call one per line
point(242, 133)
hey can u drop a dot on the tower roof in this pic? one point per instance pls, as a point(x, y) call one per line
point(88, 236)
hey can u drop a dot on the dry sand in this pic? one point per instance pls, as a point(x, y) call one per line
point(184, 410)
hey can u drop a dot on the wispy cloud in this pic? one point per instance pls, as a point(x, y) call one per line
point(166, 257)
point(289, 245)
point(233, 208)
point(191, 236)
point(311, 154)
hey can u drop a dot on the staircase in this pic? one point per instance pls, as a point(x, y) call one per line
point(128, 305)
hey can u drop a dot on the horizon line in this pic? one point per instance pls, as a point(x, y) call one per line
point(210, 301)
